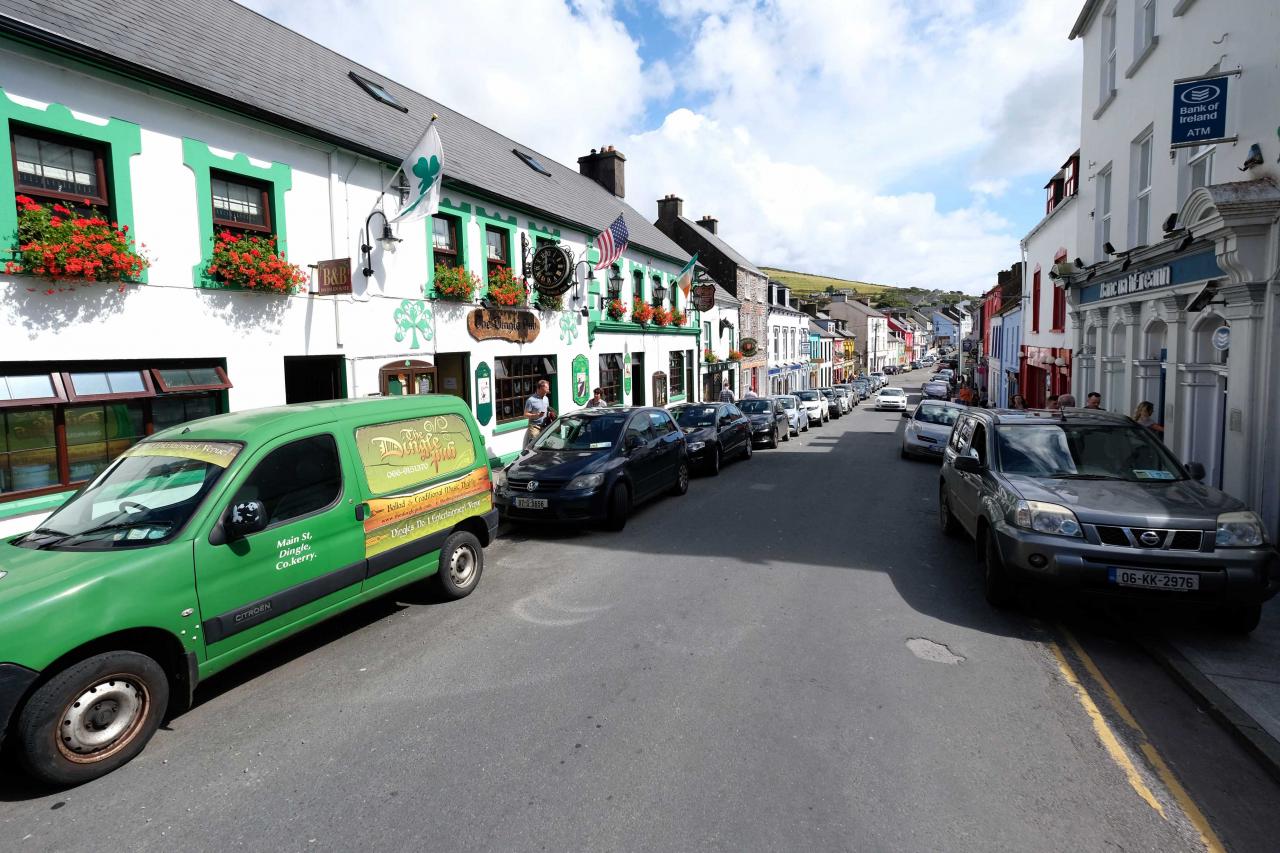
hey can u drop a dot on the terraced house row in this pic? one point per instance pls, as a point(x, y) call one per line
point(188, 234)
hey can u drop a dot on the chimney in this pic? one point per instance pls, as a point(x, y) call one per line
point(670, 207)
point(839, 297)
point(607, 167)
point(709, 224)
point(810, 308)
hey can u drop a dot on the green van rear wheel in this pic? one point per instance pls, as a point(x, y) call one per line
point(461, 563)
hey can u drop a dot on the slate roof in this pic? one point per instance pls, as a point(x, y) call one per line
point(221, 52)
point(723, 247)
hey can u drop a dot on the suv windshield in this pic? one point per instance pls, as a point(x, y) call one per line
point(146, 497)
point(582, 432)
point(1085, 452)
point(941, 415)
point(756, 407)
point(695, 416)
point(807, 395)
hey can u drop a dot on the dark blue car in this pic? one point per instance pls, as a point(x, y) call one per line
point(594, 465)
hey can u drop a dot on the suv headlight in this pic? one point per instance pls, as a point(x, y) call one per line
point(1239, 530)
point(1046, 518)
point(586, 482)
point(695, 446)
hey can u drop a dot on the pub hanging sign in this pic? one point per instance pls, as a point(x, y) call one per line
point(704, 293)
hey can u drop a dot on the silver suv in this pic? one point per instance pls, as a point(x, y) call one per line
point(1091, 501)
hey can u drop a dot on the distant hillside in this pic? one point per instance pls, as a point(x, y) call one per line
point(805, 283)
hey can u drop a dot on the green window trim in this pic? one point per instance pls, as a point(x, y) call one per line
point(462, 213)
point(677, 398)
point(198, 157)
point(512, 426)
point(122, 138)
point(506, 224)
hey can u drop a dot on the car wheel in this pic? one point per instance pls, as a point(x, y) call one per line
point(461, 563)
point(946, 518)
point(786, 436)
point(713, 463)
point(773, 438)
point(996, 585)
point(619, 507)
point(1241, 619)
point(92, 717)
point(682, 479)
point(747, 449)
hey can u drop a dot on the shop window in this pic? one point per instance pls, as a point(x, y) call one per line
point(178, 409)
point(50, 168)
point(517, 378)
point(107, 385)
point(675, 364)
point(191, 379)
point(611, 378)
point(497, 249)
point(444, 240)
point(240, 205)
point(31, 390)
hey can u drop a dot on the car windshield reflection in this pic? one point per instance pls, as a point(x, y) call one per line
point(756, 407)
point(941, 415)
point(695, 416)
point(582, 432)
point(1071, 451)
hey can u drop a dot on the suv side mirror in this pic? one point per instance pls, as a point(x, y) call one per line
point(1194, 470)
point(245, 518)
point(968, 465)
point(630, 442)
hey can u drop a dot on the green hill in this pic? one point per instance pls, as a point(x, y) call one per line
point(804, 283)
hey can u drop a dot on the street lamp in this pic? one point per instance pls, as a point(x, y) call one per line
point(387, 240)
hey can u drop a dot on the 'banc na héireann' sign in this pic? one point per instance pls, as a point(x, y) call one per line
point(1183, 270)
point(1200, 111)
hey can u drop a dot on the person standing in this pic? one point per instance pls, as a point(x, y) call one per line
point(1093, 400)
point(1018, 402)
point(597, 399)
point(1145, 416)
point(1066, 401)
point(539, 412)
point(726, 394)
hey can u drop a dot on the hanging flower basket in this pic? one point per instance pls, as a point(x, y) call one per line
point(253, 263)
point(735, 355)
point(506, 288)
point(615, 309)
point(455, 283)
point(709, 356)
point(550, 303)
point(678, 317)
point(57, 243)
point(641, 311)
point(661, 317)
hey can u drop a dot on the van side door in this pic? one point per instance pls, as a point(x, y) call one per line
point(307, 558)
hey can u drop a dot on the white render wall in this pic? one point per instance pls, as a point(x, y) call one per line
point(1055, 232)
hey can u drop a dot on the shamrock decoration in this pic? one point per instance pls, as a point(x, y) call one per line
point(569, 326)
point(413, 316)
point(426, 171)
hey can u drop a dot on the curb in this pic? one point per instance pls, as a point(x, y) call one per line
point(1255, 739)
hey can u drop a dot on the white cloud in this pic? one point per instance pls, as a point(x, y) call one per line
point(814, 129)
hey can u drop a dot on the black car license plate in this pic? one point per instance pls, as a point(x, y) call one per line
point(1145, 579)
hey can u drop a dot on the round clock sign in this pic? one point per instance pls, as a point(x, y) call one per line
point(552, 269)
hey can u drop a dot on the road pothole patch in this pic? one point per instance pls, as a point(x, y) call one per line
point(927, 649)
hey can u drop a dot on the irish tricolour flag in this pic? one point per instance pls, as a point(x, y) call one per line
point(686, 276)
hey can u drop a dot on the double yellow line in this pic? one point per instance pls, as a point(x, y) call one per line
point(1111, 742)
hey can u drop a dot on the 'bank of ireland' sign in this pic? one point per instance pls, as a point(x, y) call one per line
point(1200, 110)
point(1181, 270)
point(1135, 282)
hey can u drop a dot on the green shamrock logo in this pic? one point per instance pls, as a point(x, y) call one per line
point(412, 317)
point(426, 171)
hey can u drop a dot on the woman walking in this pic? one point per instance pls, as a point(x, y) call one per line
point(1145, 416)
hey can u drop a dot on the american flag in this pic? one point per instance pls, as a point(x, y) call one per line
point(612, 242)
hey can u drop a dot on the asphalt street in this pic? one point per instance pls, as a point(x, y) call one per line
point(791, 657)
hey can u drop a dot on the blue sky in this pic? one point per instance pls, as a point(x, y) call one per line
point(899, 141)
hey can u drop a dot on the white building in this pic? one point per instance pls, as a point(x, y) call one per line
point(788, 327)
point(300, 149)
point(870, 326)
point(1178, 305)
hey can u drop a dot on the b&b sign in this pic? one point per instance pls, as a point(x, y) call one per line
point(1200, 111)
point(333, 277)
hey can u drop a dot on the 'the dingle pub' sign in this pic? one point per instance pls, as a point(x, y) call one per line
point(508, 324)
point(333, 277)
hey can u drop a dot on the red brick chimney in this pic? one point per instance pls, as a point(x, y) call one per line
point(607, 167)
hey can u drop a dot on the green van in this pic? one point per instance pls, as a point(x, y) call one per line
point(207, 542)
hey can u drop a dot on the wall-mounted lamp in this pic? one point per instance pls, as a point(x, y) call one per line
point(659, 292)
point(615, 283)
point(387, 240)
point(1108, 248)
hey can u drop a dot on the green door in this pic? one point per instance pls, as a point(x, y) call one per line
point(309, 557)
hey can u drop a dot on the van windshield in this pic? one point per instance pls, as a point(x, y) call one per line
point(146, 497)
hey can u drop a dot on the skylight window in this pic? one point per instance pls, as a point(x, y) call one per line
point(531, 161)
point(377, 92)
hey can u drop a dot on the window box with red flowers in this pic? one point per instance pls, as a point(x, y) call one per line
point(455, 284)
point(641, 311)
point(57, 243)
point(678, 317)
point(616, 310)
point(252, 262)
point(735, 355)
point(661, 316)
point(709, 356)
point(506, 288)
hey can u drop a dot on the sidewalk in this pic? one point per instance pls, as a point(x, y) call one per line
point(1237, 679)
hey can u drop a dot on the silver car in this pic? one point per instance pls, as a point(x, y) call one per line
point(797, 415)
point(928, 428)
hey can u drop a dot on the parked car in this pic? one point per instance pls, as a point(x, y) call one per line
point(768, 420)
point(845, 391)
point(862, 387)
point(816, 405)
point(1091, 501)
point(928, 428)
point(713, 432)
point(833, 403)
point(916, 365)
point(936, 389)
point(878, 380)
point(206, 542)
point(891, 398)
point(797, 414)
point(595, 465)
point(842, 403)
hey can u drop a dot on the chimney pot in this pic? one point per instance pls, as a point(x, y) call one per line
point(670, 207)
point(607, 167)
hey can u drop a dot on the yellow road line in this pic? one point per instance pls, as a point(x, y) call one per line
point(1210, 838)
point(1108, 738)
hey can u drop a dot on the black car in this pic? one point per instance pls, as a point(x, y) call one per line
point(713, 432)
point(768, 419)
point(832, 403)
point(862, 387)
point(594, 465)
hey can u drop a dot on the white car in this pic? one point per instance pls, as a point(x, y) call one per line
point(878, 379)
point(797, 414)
point(891, 398)
point(816, 406)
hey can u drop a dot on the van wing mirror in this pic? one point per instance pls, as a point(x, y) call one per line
point(245, 518)
point(906, 414)
point(968, 465)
